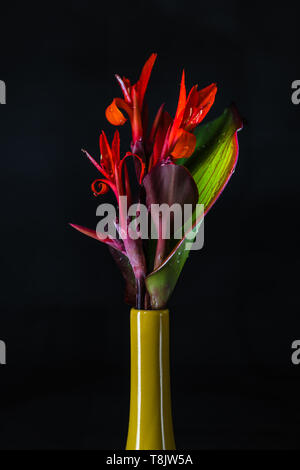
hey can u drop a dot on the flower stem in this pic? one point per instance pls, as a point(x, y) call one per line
point(140, 289)
point(160, 247)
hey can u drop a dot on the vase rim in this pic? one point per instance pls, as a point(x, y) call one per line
point(161, 311)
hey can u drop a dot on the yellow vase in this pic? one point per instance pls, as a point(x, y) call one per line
point(150, 417)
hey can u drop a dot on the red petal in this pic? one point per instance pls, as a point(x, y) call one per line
point(136, 124)
point(191, 103)
point(105, 183)
point(156, 122)
point(114, 115)
point(192, 97)
point(126, 82)
point(180, 110)
point(99, 187)
point(182, 96)
point(185, 145)
point(106, 154)
point(115, 147)
point(130, 154)
point(205, 100)
point(143, 81)
point(160, 137)
point(125, 87)
point(207, 95)
point(99, 167)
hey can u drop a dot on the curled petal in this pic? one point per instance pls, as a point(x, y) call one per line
point(99, 187)
point(114, 115)
point(185, 145)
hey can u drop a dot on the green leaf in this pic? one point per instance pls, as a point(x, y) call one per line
point(161, 282)
point(211, 165)
point(215, 156)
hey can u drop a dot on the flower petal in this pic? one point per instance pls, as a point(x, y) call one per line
point(136, 123)
point(125, 87)
point(182, 96)
point(99, 187)
point(115, 147)
point(185, 145)
point(160, 138)
point(143, 81)
point(106, 153)
point(191, 104)
point(156, 123)
point(201, 105)
point(114, 115)
point(142, 164)
point(99, 167)
point(179, 112)
point(206, 96)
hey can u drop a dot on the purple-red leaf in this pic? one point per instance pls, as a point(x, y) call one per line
point(102, 237)
point(167, 185)
point(124, 265)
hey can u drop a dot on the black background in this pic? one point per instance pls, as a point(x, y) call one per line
point(235, 311)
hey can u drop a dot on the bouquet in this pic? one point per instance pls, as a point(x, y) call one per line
point(178, 163)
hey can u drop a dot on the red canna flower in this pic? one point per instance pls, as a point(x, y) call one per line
point(133, 102)
point(174, 138)
point(169, 139)
point(111, 167)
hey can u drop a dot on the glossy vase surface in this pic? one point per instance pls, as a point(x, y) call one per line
point(150, 417)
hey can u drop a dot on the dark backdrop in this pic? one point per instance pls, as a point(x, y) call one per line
point(235, 311)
